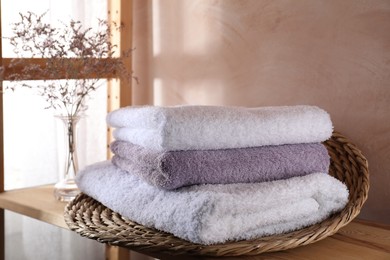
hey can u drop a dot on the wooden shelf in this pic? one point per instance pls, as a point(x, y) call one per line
point(36, 202)
point(358, 240)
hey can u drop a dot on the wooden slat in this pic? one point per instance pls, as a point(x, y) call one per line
point(2, 219)
point(117, 253)
point(36, 202)
point(119, 91)
point(126, 44)
point(120, 12)
point(113, 102)
point(1, 139)
point(20, 63)
point(2, 235)
point(1, 117)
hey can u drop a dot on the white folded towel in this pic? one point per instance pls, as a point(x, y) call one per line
point(209, 214)
point(219, 127)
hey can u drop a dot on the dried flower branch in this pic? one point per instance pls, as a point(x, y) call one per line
point(68, 50)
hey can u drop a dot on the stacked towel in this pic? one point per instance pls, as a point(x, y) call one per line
point(210, 214)
point(214, 127)
point(213, 174)
point(175, 169)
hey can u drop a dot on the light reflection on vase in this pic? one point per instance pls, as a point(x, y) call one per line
point(66, 189)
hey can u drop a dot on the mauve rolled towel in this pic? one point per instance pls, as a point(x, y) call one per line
point(174, 169)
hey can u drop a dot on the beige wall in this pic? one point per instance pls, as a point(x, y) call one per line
point(333, 54)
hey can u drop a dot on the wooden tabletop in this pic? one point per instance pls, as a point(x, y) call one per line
point(35, 202)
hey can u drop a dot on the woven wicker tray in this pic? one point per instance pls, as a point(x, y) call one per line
point(91, 219)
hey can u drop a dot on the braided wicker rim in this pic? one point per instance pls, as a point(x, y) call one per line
point(91, 219)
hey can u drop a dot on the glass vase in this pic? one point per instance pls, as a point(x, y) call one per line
point(66, 189)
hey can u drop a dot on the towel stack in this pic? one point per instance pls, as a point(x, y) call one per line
point(212, 174)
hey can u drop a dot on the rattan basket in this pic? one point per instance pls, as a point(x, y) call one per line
point(91, 219)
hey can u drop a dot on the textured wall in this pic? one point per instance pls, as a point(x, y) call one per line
point(333, 54)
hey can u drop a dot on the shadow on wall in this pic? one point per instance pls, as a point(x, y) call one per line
point(335, 55)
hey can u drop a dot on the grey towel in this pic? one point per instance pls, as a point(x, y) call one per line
point(174, 169)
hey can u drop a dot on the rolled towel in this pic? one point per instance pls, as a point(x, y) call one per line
point(175, 169)
point(209, 214)
point(219, 127)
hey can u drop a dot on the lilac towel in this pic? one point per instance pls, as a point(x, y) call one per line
point(174, 169)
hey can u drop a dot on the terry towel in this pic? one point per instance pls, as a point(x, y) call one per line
point(175, 169)
point(209, 214)
point(219, 127)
